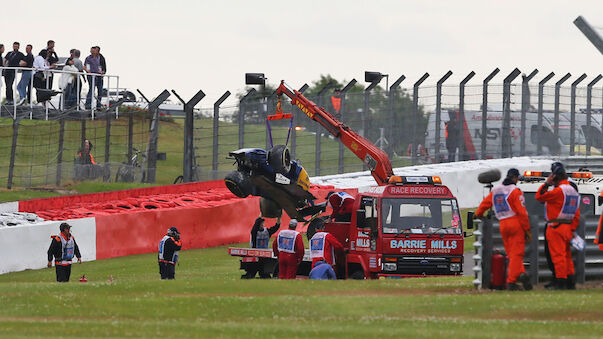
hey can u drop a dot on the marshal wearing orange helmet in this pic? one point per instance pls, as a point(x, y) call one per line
point(562, 206)
point(509, 207)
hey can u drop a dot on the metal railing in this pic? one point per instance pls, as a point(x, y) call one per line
point(112, 92)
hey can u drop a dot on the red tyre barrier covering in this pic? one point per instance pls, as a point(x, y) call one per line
point(139, 232)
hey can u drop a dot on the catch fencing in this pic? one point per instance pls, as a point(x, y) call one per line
point(502, 115)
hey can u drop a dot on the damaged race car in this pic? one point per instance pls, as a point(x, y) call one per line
point(282, 183)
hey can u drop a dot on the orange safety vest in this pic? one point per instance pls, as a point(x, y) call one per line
point(336, 102)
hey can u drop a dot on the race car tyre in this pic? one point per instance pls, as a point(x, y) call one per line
point(279, 159)
point(238, 184)
point(270, 209)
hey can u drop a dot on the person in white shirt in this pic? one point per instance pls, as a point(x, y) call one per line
point(41, 65)
point(66, 83)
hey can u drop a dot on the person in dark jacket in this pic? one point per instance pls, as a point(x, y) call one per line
point(322, 271)
point(169, 246)
point(63, 248)
point(260, 237)
point(452, 137)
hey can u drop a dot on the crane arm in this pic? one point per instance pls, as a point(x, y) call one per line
point(374, 158)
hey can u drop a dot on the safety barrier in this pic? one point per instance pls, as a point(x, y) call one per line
point(25, 246)
point(588, 264)
point(123, 222)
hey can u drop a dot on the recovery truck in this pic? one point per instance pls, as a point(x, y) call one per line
point(403, 227)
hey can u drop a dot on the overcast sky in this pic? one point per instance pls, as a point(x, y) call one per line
point(209, 45)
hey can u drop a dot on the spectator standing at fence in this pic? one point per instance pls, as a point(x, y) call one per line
point(12, 59)
point(24, 86)
point(41, 66)
point(67, 82)
point(63, 248)
point(77, 62)
point(52, 59)
point(452, 137)
point(92, 65)
point(103, 62)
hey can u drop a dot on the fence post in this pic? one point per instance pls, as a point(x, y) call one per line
point(557, 89)
point(573, 114)
point(189, 136)
point(390, 130)
point(214, 162)
point(130, 136)
point(533, 248)
point(589, 95)
point(461, 137)
point(506, 145)
point(154, 139)
point(242, 109)
point(318, 142)
point(487, 243)
point(484, 141)
point(267, 109)
point(13, 151)
point(82, 132)
point(438, 114)
point(540, 111)
point(294, 131)
point(365, 111)
point(344, 91)
point(107, 138)
point(415, 99)
point(60, 153)
point(525, 105)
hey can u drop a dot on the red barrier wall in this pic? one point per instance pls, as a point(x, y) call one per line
point(61, 202)
point(139, 232)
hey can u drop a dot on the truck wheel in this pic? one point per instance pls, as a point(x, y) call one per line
point(279, 159)
point(357, 275)
point(270, 209)
point(238, 184)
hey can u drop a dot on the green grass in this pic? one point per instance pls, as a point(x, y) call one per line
point(208, 299)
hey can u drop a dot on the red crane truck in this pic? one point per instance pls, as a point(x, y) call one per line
point(404, 227)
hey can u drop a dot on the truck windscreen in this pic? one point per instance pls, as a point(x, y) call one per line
point(420, 216)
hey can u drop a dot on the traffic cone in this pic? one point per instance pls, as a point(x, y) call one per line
point(83, 278)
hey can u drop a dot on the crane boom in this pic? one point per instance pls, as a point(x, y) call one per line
point(374, 158)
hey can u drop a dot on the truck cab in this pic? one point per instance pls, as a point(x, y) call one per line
point(411, 227)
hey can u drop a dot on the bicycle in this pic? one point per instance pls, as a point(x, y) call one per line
point(195, 175)
point(129, 171)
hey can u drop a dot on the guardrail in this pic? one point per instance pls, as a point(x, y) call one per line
point(593, 163)
point(79, 75)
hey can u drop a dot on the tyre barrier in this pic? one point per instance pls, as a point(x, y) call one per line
point(134, 224)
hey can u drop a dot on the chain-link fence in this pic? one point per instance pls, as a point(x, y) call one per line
point(417, 122)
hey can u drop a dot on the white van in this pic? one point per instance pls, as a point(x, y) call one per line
point(592, 133)
point(473, 135)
